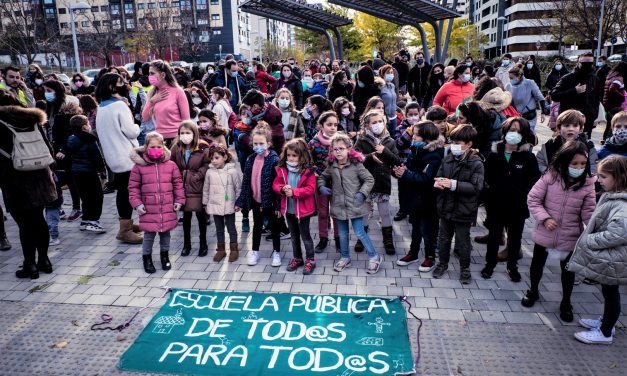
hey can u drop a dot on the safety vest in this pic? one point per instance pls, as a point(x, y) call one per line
point(21, 96)
point(135, 90)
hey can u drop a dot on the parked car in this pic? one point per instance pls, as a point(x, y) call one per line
point(615, 58)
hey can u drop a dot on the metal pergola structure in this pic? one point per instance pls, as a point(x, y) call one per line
point(301, 14)
point(412, 12)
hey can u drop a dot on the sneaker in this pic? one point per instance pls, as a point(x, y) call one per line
point(180, 219)
point(95, 228)
point(374, 264)
point(464, 276)
point(342, 264)
point(265, 230)
point(276, 259)
point(439, 270)
point(74, 215)
point(427, 265)
point(588, 281)
point(55, 241)
point(62, 214)
point(245, 225)
point(83, 226)
point(407, 259)
point(310, 266)
point(513, 274)
point(594, 324)
point(594, 337)
point(294, 264)
point(253, 258)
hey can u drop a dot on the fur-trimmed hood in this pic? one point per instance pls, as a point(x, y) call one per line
point(16, 115)
point(353, 157)
point(499, 146)
point(435, 145)
point(140, 157)
point(379, 82)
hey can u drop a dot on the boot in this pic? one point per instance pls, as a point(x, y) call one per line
point(29, 270)
point(187, 247)
point(220, 253)
point(165, 261)
point(502, 255)
point(44, 265)
point(5, 245)
point(135, 228)
point(234, 252)
point(204, 249)
point(126, 234)
point(359, 247)
point(337, 244)
point(322, 245)
point(149, 267)
point(388, 240)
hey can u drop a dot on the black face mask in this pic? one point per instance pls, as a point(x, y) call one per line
point(122, 90)
point(586, 67)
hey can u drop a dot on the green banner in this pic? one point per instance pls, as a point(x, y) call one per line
point(240, 333)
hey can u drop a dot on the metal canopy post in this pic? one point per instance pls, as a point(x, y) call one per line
point(340, 42)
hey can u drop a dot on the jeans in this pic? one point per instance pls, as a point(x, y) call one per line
point(273, 221)
point(322, 204)
point(461, 231)
point(537, 267)
point(358, 227)
point(514, 235)
point(125, 211)
point(229, 221)
point(90, 190)
point(201, 216)
point(34, 235)
point(423, 227)
point(611, 308)
point(149, 240)
point(52, 218)
point(299, 228)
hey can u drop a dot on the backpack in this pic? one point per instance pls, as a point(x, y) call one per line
point(30, 151)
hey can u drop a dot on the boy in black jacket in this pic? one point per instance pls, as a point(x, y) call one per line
point(87, 163)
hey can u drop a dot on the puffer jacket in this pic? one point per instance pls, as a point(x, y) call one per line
point(462, 204)
point(548, 150)
point(601, 252)
point(345, 183)
point(295, 87)
point(273, 116)
point(422, 166)
point(571, 209)
point(83, 150)
point(268, 199)
point(304, 192)
point(221, 189)
point(382, 172)
point(193, 172)
point(158, 186)
point(451, 94)
point(319, 149)
point(612, 96)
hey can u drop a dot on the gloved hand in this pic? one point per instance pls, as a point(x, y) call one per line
point(326, 191)
point(360, 197)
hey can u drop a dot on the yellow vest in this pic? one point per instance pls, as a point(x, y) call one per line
point(21, 96)
point(135, 90)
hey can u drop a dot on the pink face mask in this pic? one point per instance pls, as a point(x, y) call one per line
point(78, 83)
point(155, 154)
point(153, 80)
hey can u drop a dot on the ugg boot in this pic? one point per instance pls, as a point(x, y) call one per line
point(126, 234)
point(149, 267)
point(359, 247)
point(165, 261)
point(135, 228)
point(233, 252)
point(388, 240)
point(220, 252)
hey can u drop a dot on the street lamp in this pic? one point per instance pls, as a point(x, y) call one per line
point(500, 22)
point(81, 7)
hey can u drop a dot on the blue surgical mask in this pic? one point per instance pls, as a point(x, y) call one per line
point(513, 138)
point(283, 103)
point(260, 149)
point(529, 66)
point(361, 84)
point(417, 144)
point(505, 62)
point(599, 63)
point(466, 77)
point(514, 81)
point(246, 121)
point(469, 64)
point(234, 74)
point(50, 97)
point(558, 67)
point(575, 172)
point(389, 77)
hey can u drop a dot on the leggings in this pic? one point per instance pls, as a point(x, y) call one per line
point(125, 211)
point(258, 216)
point(537, 267)
point(201, 216)
point(34, 235)
point(514, 235)
point(149, 240)
point(299, 228)
point(611, 308)
point(384, 213)
point(229, 221)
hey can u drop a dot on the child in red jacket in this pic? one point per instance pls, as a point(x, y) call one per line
point(296, 184)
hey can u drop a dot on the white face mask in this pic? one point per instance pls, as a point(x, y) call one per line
point(287, 74)
point(197, 101)
point(186, 138)
point(346, 111)
point(413, 119)
point(377, 128)
point(456, 150)
point(39, 81)
point(210, 71)
point(284, 103)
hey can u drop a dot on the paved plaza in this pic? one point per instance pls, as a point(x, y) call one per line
point(475, 329)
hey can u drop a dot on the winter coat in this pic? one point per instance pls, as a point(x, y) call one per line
point(361, 96)
point(433, 87)
point(533, 74)
point(382, 172)
point(586, 102)
point(304, 193)
point(404, 136)
point(508, 183)
point(347, 124)
point(525, 95)
point(295, 128)
point(295, 87)
point(83, 150)
point(603, 72)
point(553, 78)
point(268, 199)
point(601, 252)
point(319, 149)
point(61, 131)
point(345, 183)
point(23, 190)
point(417, 80)
point(461, 205)
point(388, 95)
point(218, 184)
point(193, 173)
point(158, 186)
point(117, 133)
point(265, 82)
point(451, 94)
point(611, 147)
point(340, 90)
point(422, 166)
point(571, 209)
point(613, 97)
point(548, 150)
point(274, 117)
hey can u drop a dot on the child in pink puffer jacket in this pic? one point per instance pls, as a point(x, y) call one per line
point(156, 192)
point(561, 202)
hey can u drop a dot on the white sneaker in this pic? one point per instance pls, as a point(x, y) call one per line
point(55, 241)
point(95, 228)
point(276, 259)
point(594, 324)
point(594, 337)
point(253, 258)
point(342, 264)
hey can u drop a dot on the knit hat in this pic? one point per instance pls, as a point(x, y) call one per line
point(496, 99)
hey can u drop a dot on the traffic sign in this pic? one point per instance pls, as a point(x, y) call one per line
point(614, 40)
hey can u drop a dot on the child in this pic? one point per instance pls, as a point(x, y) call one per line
point(403, 137)
point(511, 170)
point(87, 164)
point(460, 180)
point(345, 111)
point(156, 192)
point(417, 176)
point(296, 184)
point(293, 126)
point(374, 103)
point(561, 202)
point(601, 252)
point(570, 125)
point(438, 116)
point(617, 144)
point(257, 192)
point(222, 186)
point(381, 155)
point(243, 148)
point(190, 153)
point(319, 146)
point(350, 185)
point(207, 120)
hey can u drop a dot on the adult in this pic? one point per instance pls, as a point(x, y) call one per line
point(456, 91)
point(221, 107)
point(418, 79)
point(614, 93)
point(402, 69)
point(526, 96)
point(230, 78)
point(470, 63)
point(292, 123)
point(265, 81)
point(13, 82)
point(260, 110)
point(503, 72)
point(365, 89)
point(581, 90)
point(532, 72)
point(166, 104)
point(389, 95)
point(557, 72)
point(291, 82)
point(602, 68)
point(340, 87)
point(34, 79)
point(26, 193)
point(196, 74)
point(79, 85)
point(118, 133)
point(293, 64)
point(435, 80)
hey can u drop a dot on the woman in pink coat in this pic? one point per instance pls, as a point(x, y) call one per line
point(156, 192)
point(561, 202)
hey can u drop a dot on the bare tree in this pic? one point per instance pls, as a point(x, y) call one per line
point(160, 25)
point(100, 37)
point(18, 34)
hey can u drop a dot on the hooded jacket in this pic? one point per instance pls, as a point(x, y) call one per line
point(295, 87)
point(613, 97)
point(83, 150)
point(601, 252)
point(268, 173)
point(304, 193)
point(422, 165)
point(193, 173)
point(548, 150)
point(265, 82)
point(158, 186)
point(382, 172)
point(221, 188)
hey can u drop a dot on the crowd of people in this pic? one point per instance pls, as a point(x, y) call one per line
point(289, 142)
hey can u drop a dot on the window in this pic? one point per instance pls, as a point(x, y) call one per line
point(48, 1)
point(215, 16)
point(130, 23)
point(163, 4)
point(175, 4)
point(128, 8)
point(104, 8)
point(201, 4)
point(94, 9)
point(116, 24)
point(203, 21)
point(50, 13)
point(176, 19)
point(186, 5)
point(152, 5)
point(62, 10)
point(217, 32)
point(215, 2)
point(115, 9)
point(63, 25)
point(84, 23)
point(96, 23)
point(105, 22)
point(140, 6)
